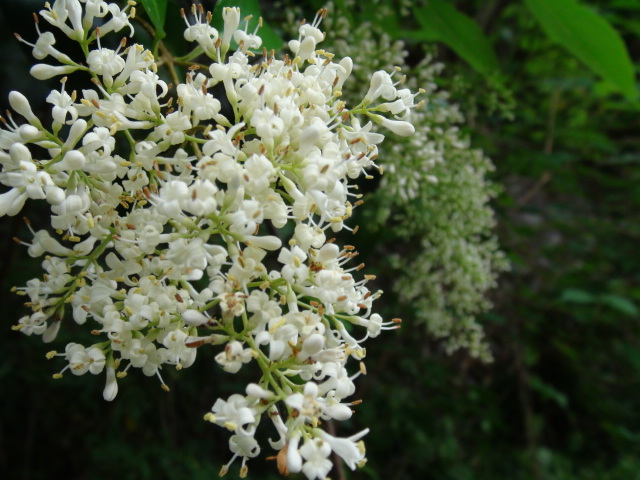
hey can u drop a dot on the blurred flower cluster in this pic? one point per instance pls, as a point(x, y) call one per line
point(200, 215)
point(432, 205)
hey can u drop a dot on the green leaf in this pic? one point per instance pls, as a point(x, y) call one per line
point(621, 304)
point(590, 38)
point(157, 11)
point(574, 295)
point(270, 38)
point(442, 22)
point(548, 391)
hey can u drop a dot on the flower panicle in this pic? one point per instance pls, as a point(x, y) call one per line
point(180, 225)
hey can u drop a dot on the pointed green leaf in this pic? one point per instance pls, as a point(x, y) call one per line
point(157, 11)
point(548, 391)
point(442, 22)
point(621, 304)
point(589, 37)
point(574, 295)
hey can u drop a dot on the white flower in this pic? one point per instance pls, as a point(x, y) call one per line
point(62, 106)
point(316, 454)
point(196, 102)
point(201, 199)
point(235, 414)
point(119, 18)
point(62, 11)
point(308, 404)
point(294, 269)
point(351, 450)
point(381, 86)
point(242, 446)
point(233, 356)
point(105, 62)
point(83, 360)
point(173, 129)
point(178, 353)
point(33, 324)
point(201, 31)
point(179, 228)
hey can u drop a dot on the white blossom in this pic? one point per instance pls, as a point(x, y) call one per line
point(179, 228)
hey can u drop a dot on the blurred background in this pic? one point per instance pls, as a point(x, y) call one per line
point(543, 384)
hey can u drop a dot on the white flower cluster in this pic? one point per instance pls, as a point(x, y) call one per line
point(202, 220)
point(436, 191)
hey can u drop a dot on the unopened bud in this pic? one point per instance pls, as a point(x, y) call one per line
point(266, 242)
point(399, 127)
point(29, 133)
point(42, 71)
point(74, 160)
point(111, 387)
point(194, 318)
point(21, 105)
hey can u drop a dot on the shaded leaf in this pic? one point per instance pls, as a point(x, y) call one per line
point(157, 11)
point(589, 37)
point(547, 391)
point(621, 304)
point(442, 22)
point(574, 295)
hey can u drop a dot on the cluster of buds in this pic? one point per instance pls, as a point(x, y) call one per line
point(187, 220)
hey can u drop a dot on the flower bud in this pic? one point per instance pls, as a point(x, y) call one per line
point(231, 17)
point(294, 459)
point(266, 242)
point(74, 160)
point(55, 195)
point(21, 105)
point(194, 318)
point(111, 388)
point(311, 31)
point(19, 153)
point(29, 133)
point(75, 132)
point(51, 332)
point(11, 202)
point(73, 204)
point(42, 71)
point(307, 47)
point(255, 390)
point(43, 242)
point(399, 127)
point(376, 82)
point(339, 412)
point(347, 66)
point(294, 45)
point(313, 344)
